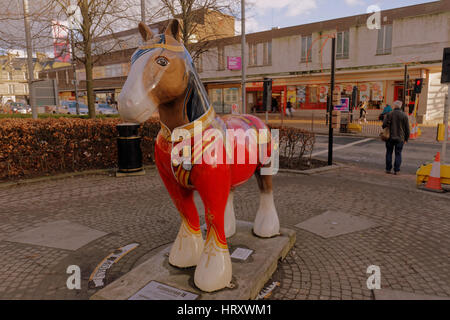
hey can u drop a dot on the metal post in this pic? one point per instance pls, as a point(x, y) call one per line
point(446, 114)
point(143, 11)
point(330, 103)
point(77, 104)
point(244, 105)
point(405, 86)
point(26, 20)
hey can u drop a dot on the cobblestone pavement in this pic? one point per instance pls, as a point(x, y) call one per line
point(411, 243)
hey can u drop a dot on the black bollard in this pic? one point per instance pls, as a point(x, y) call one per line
point(129, 151)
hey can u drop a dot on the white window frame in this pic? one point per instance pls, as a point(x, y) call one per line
point(267, 53)
point(341, 37)
point(305, 48)
point(384, 43)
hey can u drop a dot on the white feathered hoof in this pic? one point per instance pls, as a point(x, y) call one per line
point(266, 223)
point(187, 248)
point(213, 271)
point(230, 218)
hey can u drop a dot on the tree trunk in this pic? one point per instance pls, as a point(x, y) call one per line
point(87, 48)
point(90, 84)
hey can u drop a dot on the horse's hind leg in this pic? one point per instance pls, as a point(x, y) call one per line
point(266, 222)
point(230, 218)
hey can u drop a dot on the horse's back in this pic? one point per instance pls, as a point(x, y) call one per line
point(241, 172)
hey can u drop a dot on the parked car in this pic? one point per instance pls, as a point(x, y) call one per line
point(19, 107)
point(104, 108)
point(69, 107)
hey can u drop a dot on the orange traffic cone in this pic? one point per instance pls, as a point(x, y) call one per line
point(434, 180)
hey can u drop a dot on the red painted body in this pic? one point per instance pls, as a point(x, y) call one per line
point(212, 181)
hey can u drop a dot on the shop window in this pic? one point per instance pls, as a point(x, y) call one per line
point(216, 98)
point(384, 44)
point(313, 94)
point(231, 96)
point(222, 100)
point(306, 48)
point(342, 47)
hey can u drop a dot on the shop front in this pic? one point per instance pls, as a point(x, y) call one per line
point(223, 96)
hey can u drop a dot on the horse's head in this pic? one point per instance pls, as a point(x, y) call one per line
point(158, 74)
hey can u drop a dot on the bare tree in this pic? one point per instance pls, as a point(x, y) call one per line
point(201, 21)
point(96, 18)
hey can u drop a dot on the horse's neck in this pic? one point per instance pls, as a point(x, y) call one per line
point(172, 114)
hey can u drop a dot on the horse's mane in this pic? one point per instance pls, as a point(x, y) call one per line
point(196, 102)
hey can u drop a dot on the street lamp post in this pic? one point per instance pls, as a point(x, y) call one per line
point(330, 102)
point(244, 106)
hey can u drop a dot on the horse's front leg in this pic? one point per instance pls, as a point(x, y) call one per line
point(213, 271)
point(189, 244)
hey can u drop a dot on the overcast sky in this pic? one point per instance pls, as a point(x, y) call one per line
point(284, 13)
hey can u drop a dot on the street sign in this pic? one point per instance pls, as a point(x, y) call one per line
point(344, 105)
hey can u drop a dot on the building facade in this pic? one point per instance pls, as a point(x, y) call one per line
point(298, 59)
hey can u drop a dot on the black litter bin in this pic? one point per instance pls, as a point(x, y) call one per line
point(129, 148)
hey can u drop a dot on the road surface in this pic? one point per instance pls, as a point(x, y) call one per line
point(370, 152)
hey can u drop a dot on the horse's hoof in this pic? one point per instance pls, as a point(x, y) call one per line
point(213, 271)
point(187, 248)
point(266, 223)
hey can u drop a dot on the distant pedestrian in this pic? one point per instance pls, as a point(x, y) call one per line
point(289, 109)
point(274, 105)
point(385, 111)
point(398, 123)
point(363, 111)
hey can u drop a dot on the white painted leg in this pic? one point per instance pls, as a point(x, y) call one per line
point(230, 218)
point(266, 222)
point(187, 248)
point(213, 271)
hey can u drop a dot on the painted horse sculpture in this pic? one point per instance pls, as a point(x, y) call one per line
point(162, 78)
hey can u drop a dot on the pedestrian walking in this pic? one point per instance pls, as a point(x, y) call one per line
point(385, 111)
point(289, 109)
point(274, 105)
point(363, 111)
point(398, 123)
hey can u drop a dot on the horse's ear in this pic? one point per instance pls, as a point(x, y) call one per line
point(145, 31)
point(174, 29)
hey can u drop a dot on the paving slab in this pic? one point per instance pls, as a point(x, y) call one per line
point(387, 294)
point(249, 276)
point(334, 223)
point(61, 234)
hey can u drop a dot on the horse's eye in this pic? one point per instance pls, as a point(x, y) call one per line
point(162, 61)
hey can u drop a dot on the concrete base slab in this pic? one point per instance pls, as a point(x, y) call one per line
point(387, 294)
point(333, 223)
point(249, 276)
point(60, 234)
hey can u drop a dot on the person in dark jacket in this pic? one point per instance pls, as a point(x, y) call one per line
point(398, 124)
